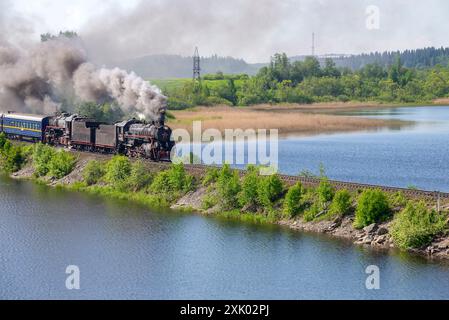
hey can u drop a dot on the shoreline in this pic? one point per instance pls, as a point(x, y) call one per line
point(375, 236)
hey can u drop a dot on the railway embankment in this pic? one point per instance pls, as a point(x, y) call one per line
point(384, 218)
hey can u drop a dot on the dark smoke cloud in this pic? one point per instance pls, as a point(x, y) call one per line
point(37, 80)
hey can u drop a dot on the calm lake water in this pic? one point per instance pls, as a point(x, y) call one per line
point(127, 252)
point(413, 155)
point(416, 155)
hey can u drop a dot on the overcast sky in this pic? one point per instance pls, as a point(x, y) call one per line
point(249, 29)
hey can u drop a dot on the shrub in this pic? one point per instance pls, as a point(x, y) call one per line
point(178, 104)
point(415, 226)
point(118, 170)
point(269, 189)
point(11, 157)
point(228, 187)
point(248, 194)
point(2, 140)
point(61, 164)
point(211, 176)
point(178, 178)
point(341, 205)
point(307, 174)
point(160, 183)
point(372, 207)
point(139, 176)
point(208, 202)
point(311, 213)
point(171, 182)
point(325, 191)
point(42, 156)
point(93, 172)
point(398, 199)
point(293, 203)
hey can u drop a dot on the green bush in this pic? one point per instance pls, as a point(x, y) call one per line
point(2, 140)
point(398, 199)
point(42, 156)
point(228, 187)
point(211, 176)
point(293, 203)
point(311, 213)
point(12, 157)
point(269, 189)
point(325, 191)
point(61, 164)
point(93, 172)
point(178, 104)
point(160, 183)
point(372, 207)
point(178, 178)
point(118, 170)
point(209, 201)
point(341, 204)
point(415, 226)
point(248, 194)
point(172, 182)
point(139, 177)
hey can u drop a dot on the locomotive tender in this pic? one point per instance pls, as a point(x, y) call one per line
point(132, 137)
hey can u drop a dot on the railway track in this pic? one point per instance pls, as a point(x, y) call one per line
point(198, 170)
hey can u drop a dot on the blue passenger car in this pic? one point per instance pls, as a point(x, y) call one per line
point(24, 125)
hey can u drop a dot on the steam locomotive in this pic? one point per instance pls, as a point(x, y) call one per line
point(133, 138)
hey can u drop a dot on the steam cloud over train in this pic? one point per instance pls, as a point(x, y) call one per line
point(132, 138)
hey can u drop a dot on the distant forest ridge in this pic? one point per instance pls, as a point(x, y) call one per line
point(414, 58)
point(176, 66)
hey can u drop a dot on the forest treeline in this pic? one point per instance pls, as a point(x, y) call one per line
point(411, 58)
point(308, 81)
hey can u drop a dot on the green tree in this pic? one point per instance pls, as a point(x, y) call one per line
point(341, 204)
point(139, 177)
point(293, 203)
point(2, 140)
point(330, 69)
point(62, 34)
point(325, 190)
point(415, 226)
point(118, 170)
point(172, 182)
point(372, 207)
point(93, 172)
point(61, 164)
point(228, 91)
point(228, 187)
point(269, 189)
point(107, 112)
point(42, 156)
point(311, 67)
point(12, 157)
point(248, 194)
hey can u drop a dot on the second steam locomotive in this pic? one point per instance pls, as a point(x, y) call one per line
point(132, 137)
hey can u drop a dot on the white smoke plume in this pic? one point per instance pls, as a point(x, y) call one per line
point(39, 79)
